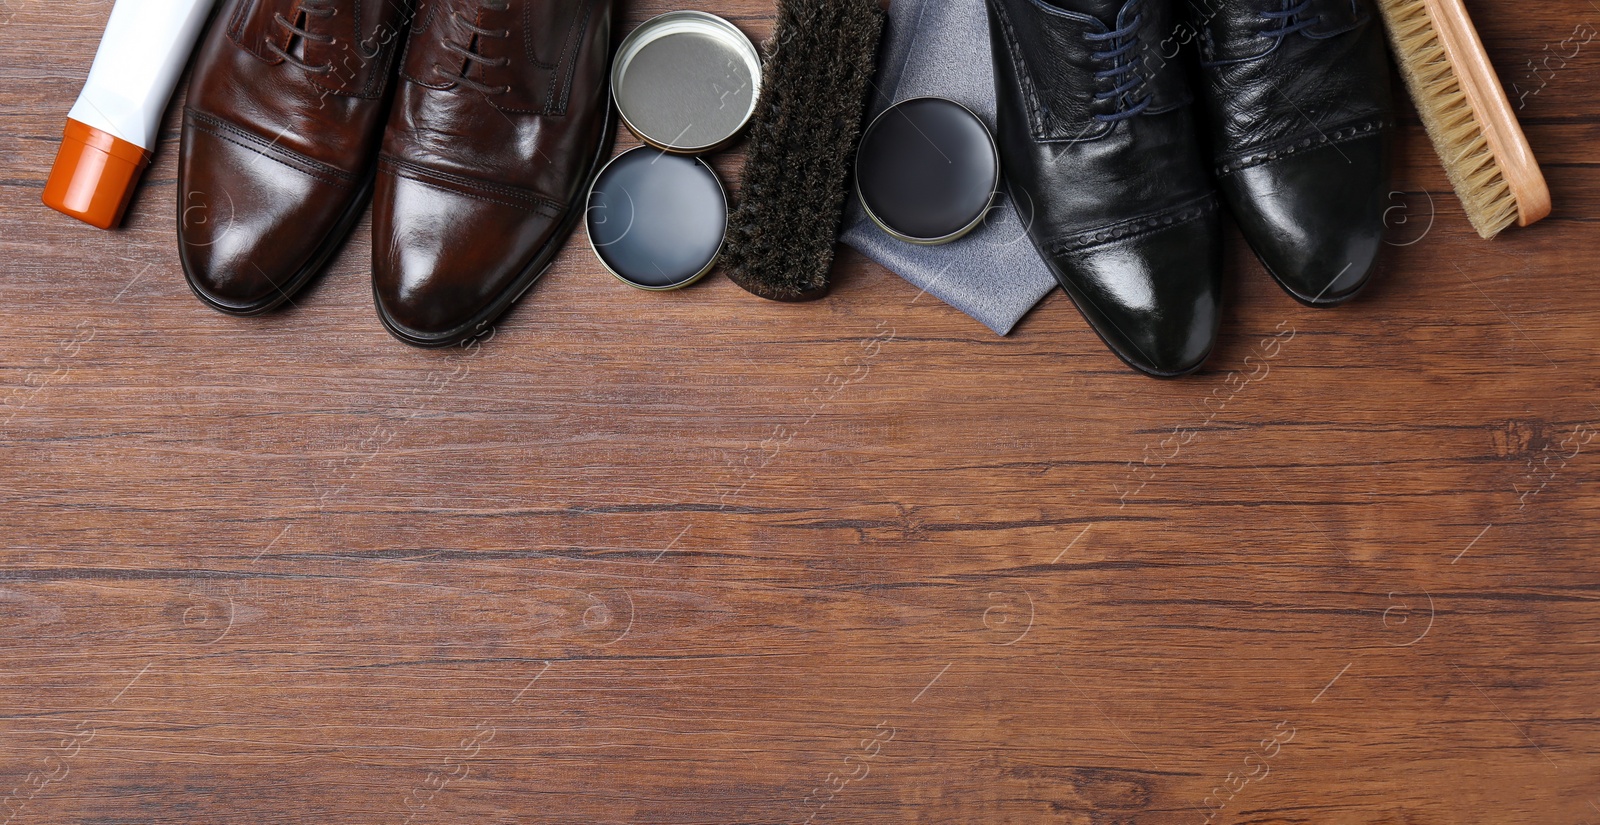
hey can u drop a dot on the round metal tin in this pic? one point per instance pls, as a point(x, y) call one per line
point(657, 220)
point(686, 81)
point(927, 170)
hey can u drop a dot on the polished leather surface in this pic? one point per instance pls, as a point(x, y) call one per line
point(1297, 99)
point(280, 131)
point(1110, 172)
point(501, 118)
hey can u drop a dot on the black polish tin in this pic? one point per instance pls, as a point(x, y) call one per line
point(657, 220)
point(927, 170)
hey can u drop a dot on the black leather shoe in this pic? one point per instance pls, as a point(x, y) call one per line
point(1297, 94)
point(1097, 137)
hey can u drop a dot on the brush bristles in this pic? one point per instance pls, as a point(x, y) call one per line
point(1447, 114)
point(781, 237)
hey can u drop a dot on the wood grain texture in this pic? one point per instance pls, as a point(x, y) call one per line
point(700, 558)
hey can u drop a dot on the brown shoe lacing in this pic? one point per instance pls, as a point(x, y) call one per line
point(470, 56)
point(297, 29)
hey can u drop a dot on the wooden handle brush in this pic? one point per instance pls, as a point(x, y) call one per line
point(1466, 113)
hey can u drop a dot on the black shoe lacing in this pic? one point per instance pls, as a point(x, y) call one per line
point(1126, 69)
point(1290, 20)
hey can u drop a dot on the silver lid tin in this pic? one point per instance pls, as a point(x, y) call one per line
point(686, 82)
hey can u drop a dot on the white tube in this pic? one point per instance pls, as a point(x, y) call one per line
point(146, 44)
point(112, 127)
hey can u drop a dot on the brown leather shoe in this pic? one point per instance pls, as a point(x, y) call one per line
point(502, 117)
point(279, 137)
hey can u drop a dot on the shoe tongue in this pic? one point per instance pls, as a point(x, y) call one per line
point(349, 51)
point(506, 59)
point(1237, 31)
point(1106, 11)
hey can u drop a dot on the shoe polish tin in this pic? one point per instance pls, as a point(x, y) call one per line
point(657, 220)
point(927, 170)
point(686, 81)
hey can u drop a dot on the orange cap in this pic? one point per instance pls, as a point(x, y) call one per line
point(94, 175)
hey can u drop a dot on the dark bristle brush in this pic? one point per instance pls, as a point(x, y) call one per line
point(802, 147)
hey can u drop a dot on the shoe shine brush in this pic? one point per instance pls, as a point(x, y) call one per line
point(1466, 113)
point(802, 140)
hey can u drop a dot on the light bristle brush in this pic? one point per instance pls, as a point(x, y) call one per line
point(1466, 113)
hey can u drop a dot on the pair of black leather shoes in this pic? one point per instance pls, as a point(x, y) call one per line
point(1099, 136)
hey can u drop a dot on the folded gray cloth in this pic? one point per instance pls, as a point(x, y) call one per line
point(940, 48)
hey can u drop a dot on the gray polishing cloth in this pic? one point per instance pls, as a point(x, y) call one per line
point(940, 48)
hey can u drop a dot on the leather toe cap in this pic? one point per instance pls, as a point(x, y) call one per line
point(1156, 299)
point(445, 261)
point(1315, 218)
point(251, 228)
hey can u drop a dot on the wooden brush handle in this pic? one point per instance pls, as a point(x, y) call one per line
point(1488, 98)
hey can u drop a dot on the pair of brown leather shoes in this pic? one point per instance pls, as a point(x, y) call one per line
point(474, 125)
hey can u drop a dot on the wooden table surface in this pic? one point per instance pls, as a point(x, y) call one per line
point(696, 557)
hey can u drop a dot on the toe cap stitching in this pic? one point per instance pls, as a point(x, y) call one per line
point(1135, 228)
point(1344, 134)
point(239, 137)
point(471, 188)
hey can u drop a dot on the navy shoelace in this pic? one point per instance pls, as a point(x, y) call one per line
point(1289, 20)
point(1125, 68)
